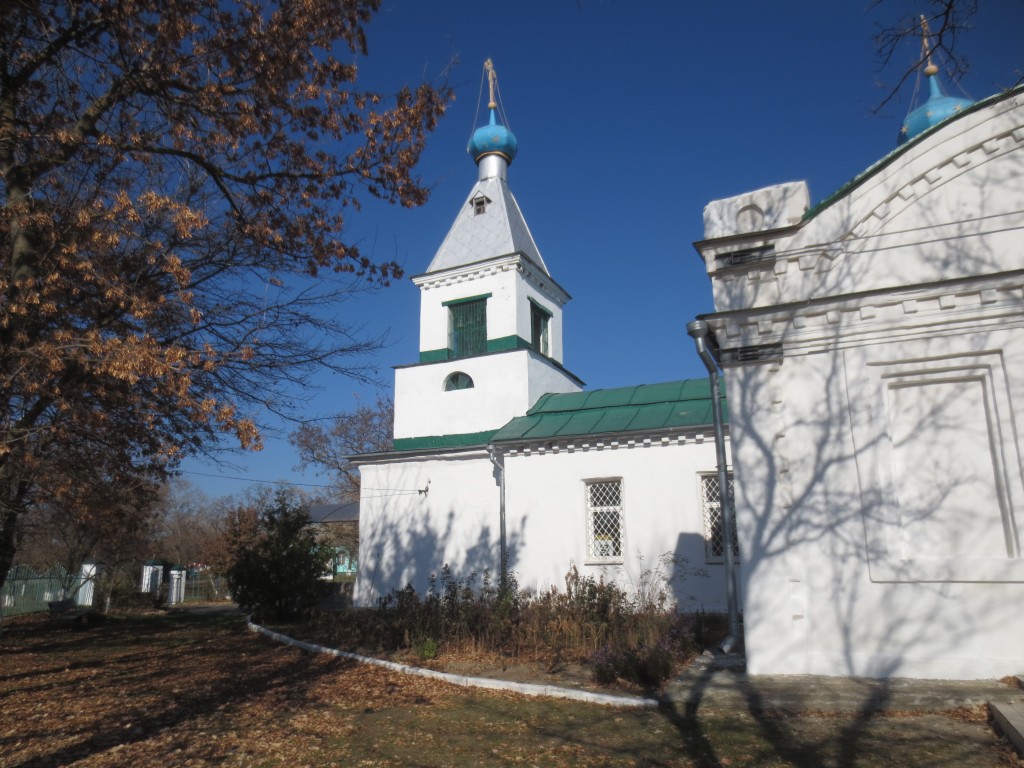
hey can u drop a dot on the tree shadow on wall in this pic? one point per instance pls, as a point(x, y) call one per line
point(416, 550)
point(847, 465)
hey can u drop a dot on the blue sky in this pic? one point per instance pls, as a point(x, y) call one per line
point(631, 117)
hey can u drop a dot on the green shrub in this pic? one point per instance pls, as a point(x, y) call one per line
point(426, 648)
point(278, 574)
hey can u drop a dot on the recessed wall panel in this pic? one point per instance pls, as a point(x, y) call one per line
point(944, 472)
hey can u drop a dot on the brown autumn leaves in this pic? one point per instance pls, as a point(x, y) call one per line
point(174, 175)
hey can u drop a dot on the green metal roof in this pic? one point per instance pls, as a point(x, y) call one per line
point(466, 440)
point(643, 408)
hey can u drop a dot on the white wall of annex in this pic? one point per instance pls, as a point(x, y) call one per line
point(546, 516)
point(417, 516)
point(880, 485)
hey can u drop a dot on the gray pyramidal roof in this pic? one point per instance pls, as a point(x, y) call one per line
point(499, 231)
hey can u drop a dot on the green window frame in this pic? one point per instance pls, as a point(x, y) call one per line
point(540, 320)
point(467, 327)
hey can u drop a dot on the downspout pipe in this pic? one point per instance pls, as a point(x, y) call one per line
point(701, 334)
point(498, 460)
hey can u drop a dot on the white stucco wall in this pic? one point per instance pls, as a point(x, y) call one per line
point(856, 561)
point(406, 535)
point(880, 485)
point(505, 385)
point(662, 512)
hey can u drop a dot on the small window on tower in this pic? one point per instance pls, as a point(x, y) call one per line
point(458, 380)
point(479, 204)
point(539, 320)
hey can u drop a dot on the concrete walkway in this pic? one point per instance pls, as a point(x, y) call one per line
point(721, 682)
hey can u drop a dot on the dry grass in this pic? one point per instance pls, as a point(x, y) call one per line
point(624, 638)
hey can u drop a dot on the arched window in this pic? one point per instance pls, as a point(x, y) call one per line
point(458, 380)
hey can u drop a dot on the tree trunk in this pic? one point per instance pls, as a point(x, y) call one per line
point(12, 508)
point(8, 540)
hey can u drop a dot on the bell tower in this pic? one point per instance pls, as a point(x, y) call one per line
point(490, 314)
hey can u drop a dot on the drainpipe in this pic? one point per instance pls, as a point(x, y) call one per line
point(498, 460)
point(701, 334)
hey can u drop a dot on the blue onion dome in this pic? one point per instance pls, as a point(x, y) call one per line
point(936, 109)
point(493, 139)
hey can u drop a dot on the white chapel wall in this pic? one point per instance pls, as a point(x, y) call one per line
point(417, 516)
point(880, 486)
point(662, 513)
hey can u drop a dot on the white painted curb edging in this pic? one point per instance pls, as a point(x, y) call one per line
point(527, 689)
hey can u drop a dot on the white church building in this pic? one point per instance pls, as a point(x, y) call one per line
point(873, 349)
point(874, 358)
point(500, 456)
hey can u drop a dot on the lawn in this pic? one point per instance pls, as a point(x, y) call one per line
point(185, 690)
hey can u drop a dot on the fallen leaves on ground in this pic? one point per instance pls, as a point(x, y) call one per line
point(191, 691)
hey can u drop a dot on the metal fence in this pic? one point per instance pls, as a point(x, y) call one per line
point(26, 591)
point(205, 587)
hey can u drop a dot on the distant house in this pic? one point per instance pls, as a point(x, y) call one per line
point(874, 347)
point(338, 524)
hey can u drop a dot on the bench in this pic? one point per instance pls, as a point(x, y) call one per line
point(62, 607)
point(74, 615)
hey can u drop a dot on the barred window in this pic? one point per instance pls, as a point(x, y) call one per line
point(714, 537)
point(604, 519)
point(467, 330)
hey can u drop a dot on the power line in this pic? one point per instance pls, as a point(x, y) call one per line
point(255, 480)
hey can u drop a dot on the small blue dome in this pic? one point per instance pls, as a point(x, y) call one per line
point(491, 139)
point(939, 107)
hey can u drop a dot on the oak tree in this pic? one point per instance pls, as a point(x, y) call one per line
point(175, 179)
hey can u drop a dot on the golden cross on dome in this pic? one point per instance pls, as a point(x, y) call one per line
point(492, 83)
point(926, 49)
